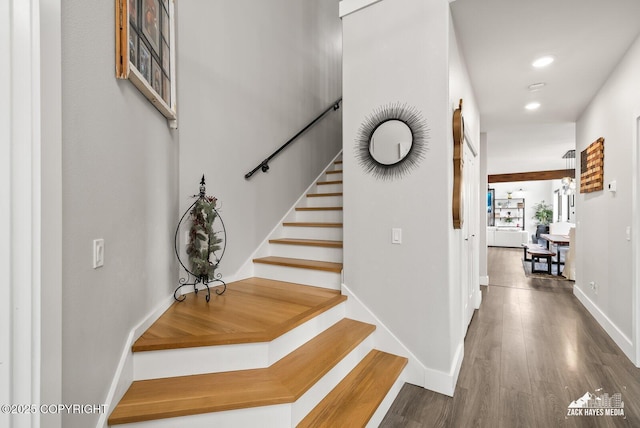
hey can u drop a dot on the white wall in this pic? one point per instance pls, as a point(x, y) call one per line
point(120, 183)
point(604, 253)
point(460, 88)
point(482, 206)
point(6, 119)
point(51, 179)
point(251, 74)
point(399, 51)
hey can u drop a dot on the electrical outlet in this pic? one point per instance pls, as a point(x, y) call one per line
point(98, 253)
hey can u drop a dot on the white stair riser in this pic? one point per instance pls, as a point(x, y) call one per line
point(326, 233)
point(316, 278)
point(306, 252)
point(292, 340)
point(203, 359)
point(333, 216)
point(329, 188)
point(276, 416)
point(323, 201)
point(223, 358)
point(333, 177)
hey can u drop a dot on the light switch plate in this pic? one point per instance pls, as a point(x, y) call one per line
point(98, 253)
point(396, 235)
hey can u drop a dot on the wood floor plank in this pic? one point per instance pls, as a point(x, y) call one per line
point(251, 310)
point(355, 399)
point(510, 400)
point(514, 372)
point(283, 382)
point(416, 406)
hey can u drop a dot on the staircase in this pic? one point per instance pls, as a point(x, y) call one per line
point(275, 350)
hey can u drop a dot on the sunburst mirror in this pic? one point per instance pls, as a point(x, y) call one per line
point(391, 141)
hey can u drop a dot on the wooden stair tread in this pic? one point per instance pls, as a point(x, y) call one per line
point(337, 171)
point(310, 224)
point(320, 195)
point(319, 209)
point(300, 263)
point(321, 183)
point(355, 399)
point(283, 382)
point(307, 242)
point(338, 162)
point(251, 310)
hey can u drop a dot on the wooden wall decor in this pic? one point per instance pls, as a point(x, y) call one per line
point(458, 165)
point(592, 167)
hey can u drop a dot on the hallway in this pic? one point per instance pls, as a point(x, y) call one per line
point(530, 351)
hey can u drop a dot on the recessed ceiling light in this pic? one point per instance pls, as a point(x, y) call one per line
point(543, 61)
point(532, 106)
point(536, 86)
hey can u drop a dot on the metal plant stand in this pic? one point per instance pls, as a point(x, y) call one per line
point(217, 230)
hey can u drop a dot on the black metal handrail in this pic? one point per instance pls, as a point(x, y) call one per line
point(264, 165)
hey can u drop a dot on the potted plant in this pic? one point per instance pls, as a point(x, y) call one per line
point(543, 215)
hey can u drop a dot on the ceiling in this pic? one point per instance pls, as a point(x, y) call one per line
point(501, 38)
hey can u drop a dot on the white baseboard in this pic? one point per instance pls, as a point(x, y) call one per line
point(123, 376)
point(484, 280)
point(612, 330)
point(415, 372)
point(478, 299)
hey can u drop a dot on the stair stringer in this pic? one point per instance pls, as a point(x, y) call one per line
point(247, 269)
point(415, 372)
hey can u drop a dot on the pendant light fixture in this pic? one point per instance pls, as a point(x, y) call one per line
point(568, 181)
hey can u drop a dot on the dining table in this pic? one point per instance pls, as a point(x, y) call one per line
point(558, 241)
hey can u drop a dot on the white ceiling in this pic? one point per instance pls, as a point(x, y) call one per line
point(501, 38)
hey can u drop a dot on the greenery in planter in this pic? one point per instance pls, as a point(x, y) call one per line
point(202, 239)
point(543, 213)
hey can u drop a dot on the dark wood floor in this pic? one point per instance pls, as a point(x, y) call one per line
point(531, 349)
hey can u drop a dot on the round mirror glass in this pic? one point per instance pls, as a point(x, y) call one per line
point(391, 142)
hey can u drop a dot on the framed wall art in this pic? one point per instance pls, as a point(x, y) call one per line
point(145, 51)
